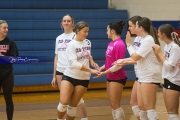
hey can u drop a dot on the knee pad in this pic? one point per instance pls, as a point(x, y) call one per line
point(135, 110)
point(80, 102)
point(143, 115)
point(61, 107)
point(152, 114)
point(71, 111)
point(173, 117)
point(118, 114)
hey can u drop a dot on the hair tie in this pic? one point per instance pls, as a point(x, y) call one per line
point(174, 33)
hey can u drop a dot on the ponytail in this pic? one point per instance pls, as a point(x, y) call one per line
point(174, 36)
point(153, 33)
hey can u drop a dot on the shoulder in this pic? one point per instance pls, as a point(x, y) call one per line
point(60, 36)
point(148, 39)
point(138, 38)
point(88, 42)
point(175, 46)
point(119, 42)
point(9, 40)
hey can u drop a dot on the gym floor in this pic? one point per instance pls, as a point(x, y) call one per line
point(42, 106)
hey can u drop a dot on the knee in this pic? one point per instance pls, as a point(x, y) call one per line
point(61, 107)
point(71, 111)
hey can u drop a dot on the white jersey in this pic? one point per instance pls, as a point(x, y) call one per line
point(62, 42)
point(137, 44)
point(81, 52)
point(149, 69)
point(172, 55)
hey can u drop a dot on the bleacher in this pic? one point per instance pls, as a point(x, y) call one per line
point(34, 26)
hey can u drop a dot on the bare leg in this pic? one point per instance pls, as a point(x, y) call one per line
point(142, 111)
point(133, 100)
point(114, 91)
point(66, 91)
point(75, 98)
point(171, 99)
point(148, 92)
point(82, 110)
point(59, 78)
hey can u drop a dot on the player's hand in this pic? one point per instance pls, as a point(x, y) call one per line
point(93, 71)
point(128, 38)
point(96, 66)
point(99, 75)
point(156, 49)
point(53, 83)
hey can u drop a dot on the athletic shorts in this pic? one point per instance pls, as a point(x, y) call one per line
point(158, 84)
point(121, 81)
point(169, 85)
point(76, 82)
point(58, 73)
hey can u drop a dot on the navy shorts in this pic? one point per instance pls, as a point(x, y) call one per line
point(158, 84)
point(170, 85)
point(58, 73)
point(76, 82)
point(121, 81)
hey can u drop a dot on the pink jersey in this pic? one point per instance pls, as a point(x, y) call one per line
point(115, 50)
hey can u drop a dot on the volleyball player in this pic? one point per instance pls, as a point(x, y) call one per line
point(76, 76)
point(170, 72)
point(116, 76)
point(7, 48)
point(60, 61)
point(149, 69)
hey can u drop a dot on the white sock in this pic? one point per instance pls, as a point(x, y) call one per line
point(143, 115)
point(135, 110)
point(152, 114)
point(118, 114)
point(173, 117)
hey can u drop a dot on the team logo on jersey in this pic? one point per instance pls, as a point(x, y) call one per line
point(88, 42)
point(109, 51)
point(63, 45)
point(138, 44)
point(60, 41)
point(167, 54)
point(85, 54)
point(4, 48)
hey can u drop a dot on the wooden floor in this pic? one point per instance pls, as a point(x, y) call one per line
point(42, 106)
